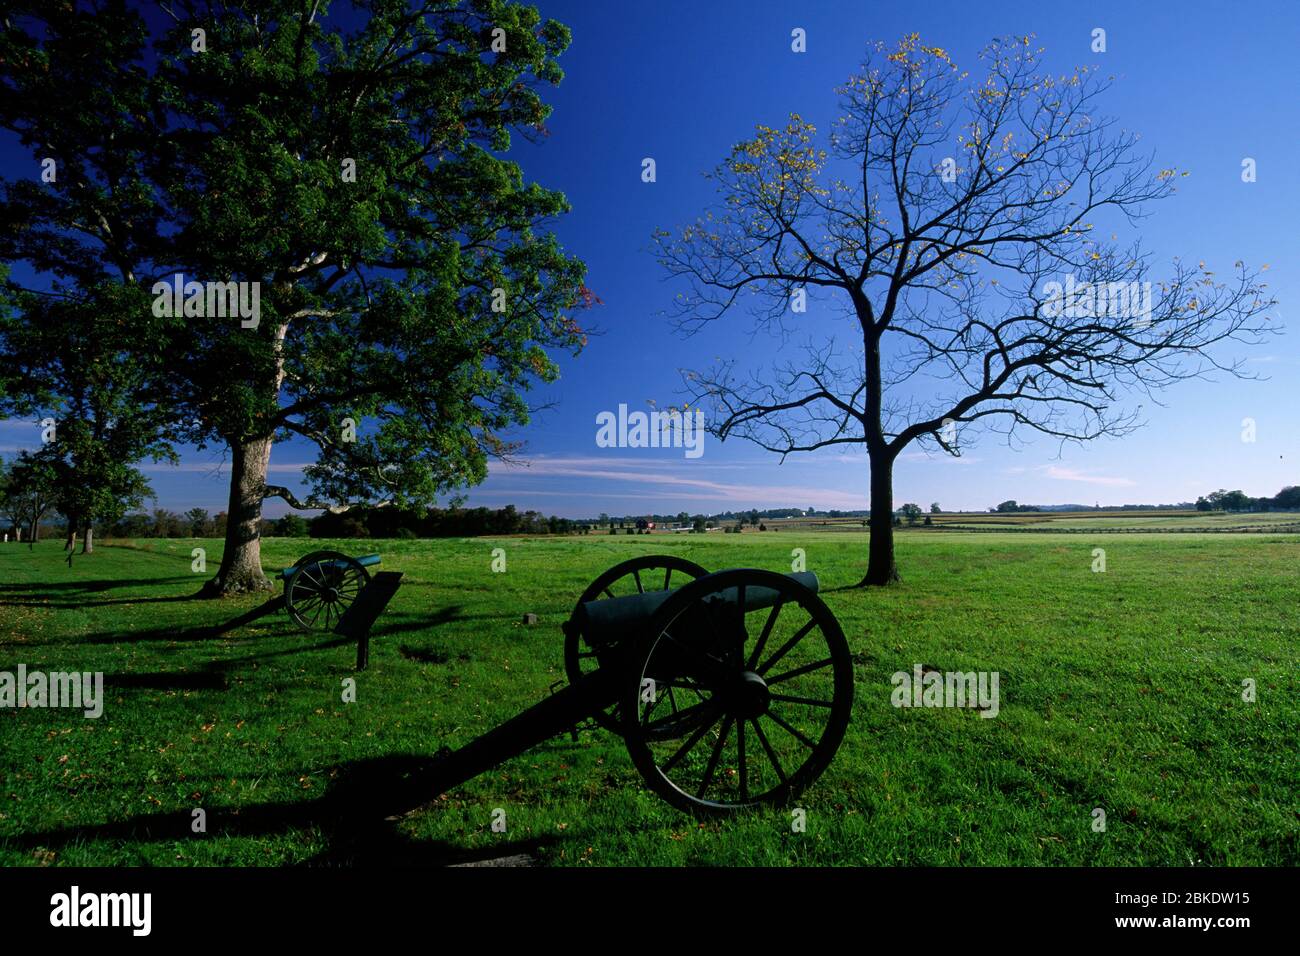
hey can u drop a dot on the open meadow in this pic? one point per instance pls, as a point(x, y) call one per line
point(1120, 691)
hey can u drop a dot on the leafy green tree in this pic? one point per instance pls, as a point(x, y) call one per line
point(200, 523)
point(295, 526)
point(167, 524)
point(935, 509)
point(83, 359)
point(1235, 501)
point(1288, 499)
point(912, 512)
point(29, 490)
point(409, 293)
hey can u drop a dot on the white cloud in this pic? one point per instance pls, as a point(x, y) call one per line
point(1073, 474)
point(638, 472)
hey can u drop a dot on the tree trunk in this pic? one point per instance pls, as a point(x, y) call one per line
point(35, 533)
point(881, 569)
point(88, 539)
point(71, 543)
point(241, 562)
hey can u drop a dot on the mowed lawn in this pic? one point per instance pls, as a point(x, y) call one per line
point(1119, 690)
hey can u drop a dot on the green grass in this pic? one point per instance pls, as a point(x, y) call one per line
point(1120, 690)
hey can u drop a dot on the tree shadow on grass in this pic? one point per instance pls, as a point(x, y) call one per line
point(194, 635)
point(169, 680)
point(73, 603)
point(68, 593)
point(105, 584)
point(357, 817)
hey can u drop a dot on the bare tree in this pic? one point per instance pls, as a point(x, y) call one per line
point(956, 223)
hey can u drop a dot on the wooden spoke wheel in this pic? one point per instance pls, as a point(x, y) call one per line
point(322, 587)
point(732, 708)
point(654, 572)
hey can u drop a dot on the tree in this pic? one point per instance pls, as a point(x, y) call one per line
point(1214, 501)
point(953, 223)
point(912, 512)
point(1235, 501)
point(293, 526)
point(200, 524)
point(167, 524)
point(935, 509)
point(82, 360)
point(29, 490)
point(1288, 499)
point(352, 175)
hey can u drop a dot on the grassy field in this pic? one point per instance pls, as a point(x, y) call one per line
point(1119, 690)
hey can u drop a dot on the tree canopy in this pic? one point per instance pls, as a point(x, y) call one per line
point(350, 169)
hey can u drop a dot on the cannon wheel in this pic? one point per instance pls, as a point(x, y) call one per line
point(322, 586)
point(651, 572)
point(770, 693)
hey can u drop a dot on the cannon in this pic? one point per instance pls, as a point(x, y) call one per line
point(321, 586)
point(733, 690)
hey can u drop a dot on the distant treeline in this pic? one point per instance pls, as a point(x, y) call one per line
point(365, 522)
point(440, 523)
point(1288, 499)
point(354, 523)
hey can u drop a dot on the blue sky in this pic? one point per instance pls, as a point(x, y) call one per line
point(1206, 85)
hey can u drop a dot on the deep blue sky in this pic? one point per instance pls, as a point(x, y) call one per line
point(1206, 85)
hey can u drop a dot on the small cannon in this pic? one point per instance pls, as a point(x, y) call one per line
point(321, 586)
point(731, 691)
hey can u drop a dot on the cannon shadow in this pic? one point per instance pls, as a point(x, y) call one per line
point(357, 816)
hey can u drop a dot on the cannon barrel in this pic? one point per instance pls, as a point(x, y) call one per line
point(546, 719)
point(365, 560)
point(610, 619)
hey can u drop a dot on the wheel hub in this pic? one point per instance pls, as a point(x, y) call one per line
point(749, 697)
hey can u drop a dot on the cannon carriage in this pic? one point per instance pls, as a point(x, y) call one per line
point(733, 690)
point(321, 586)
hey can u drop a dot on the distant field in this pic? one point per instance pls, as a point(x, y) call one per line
point(1103, 520)
point(1119, 690)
